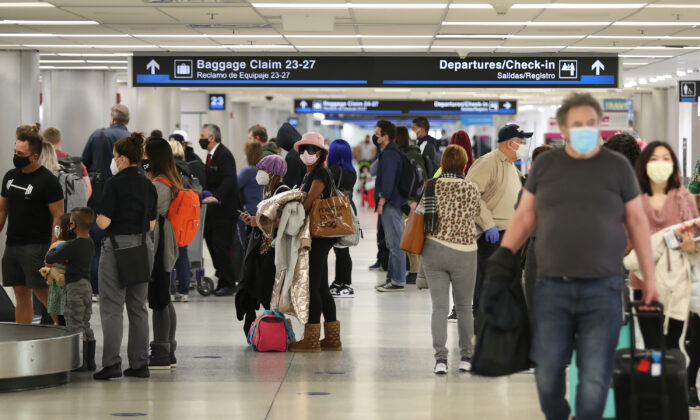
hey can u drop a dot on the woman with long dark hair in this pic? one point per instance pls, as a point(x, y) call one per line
point(127, 199)
point(344, 177)
point(317, 184)
point(167, 180)
point(667, 202)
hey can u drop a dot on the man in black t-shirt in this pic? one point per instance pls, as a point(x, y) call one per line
point(31, 201)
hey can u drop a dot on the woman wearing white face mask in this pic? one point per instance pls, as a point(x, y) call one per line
point(666, 202)
point(317, 184)
point(258, 278)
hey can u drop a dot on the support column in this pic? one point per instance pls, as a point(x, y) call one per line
point(19, 85)
point(77, 102)
point(152, 108)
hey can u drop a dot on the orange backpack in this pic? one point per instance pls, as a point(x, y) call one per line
point(183, 214)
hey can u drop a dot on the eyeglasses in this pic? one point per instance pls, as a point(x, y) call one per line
point(309, 148)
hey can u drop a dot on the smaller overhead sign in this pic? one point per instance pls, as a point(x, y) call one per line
point(389, 107)
point(688, 90)
point(217, 101)
point(618, 105)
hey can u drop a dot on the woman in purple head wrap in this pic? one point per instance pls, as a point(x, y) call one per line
point(259, 263)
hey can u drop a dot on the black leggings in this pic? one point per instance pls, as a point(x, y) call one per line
point(343, 266)
point(693, 348)
point(652, 330)
point(320, 299)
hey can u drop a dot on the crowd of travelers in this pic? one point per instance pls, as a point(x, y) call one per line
point(585, 227)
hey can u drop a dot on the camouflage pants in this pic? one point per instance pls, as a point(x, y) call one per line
point(78, 309)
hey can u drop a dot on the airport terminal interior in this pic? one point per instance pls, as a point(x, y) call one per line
point(334, 67)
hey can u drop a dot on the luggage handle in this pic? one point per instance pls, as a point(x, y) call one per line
point(643, 310)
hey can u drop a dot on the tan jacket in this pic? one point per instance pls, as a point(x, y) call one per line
point(489, 174)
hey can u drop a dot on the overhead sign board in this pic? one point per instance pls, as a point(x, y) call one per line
point(618, 105)
point(217, 101)
point(688, 90)
point(523, 71)
point(388, 107)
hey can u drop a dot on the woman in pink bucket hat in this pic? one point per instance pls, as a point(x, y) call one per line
point(317, 184)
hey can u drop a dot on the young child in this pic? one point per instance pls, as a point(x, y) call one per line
point(77, 254)
point(55, 273)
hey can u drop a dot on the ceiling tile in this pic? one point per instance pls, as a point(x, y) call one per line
point(201, 15)
point(405, 17)
point(489, 15)
point(123, 14)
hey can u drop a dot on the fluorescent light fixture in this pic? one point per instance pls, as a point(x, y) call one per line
point(87, 46)
point(574, 47)
point(673, 6)
point(630, 84)
point(369, 47)
point(90, 54)
point(82, 68)
point(526, 108)
point(681, 73)
point(634, 64)
point(259, 47)
point(655, 23)
point(171, 36)
point(644, 56)
point(508, 36)
point(402, 6)
point(193, 47)
point(578, 6)
point(242, 36)
point(316, 36)
point(35, 35)
point(499, 47)
point(27, 4)
point(527, 23)
point(47, 22)
point(107, 62)
point(61, 61)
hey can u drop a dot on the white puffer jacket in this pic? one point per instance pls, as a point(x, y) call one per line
point(677, 277)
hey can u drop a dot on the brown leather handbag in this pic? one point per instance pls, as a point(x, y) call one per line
point(413, 235)
point(331, 217)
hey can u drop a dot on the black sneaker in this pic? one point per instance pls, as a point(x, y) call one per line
point(346, 292)
point(109, 372)
point(453, 316)
point(411, 278)
point(390, 287)
point(693, 397)
point(335, 288)
point(376, 266)
point(141, 372)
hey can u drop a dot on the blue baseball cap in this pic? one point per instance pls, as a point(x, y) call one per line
point(510, 131)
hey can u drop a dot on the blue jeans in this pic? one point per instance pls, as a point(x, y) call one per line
point(182, 272)
point(581, 314)
point(391, 222)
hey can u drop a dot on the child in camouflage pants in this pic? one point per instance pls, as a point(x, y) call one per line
point(76, 255)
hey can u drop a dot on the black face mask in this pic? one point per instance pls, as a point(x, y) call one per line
point(203, 143)
point(20, 162)
point(375, 140)
point(146, 165)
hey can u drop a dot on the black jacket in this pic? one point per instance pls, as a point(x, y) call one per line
point(222, 182)
point(286, 137)
point(503, 326)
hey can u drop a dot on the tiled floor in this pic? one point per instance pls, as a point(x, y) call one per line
point(384, 371)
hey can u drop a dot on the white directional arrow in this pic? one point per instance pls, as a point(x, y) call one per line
point(597, 66)
point(152, 66)
point(507, 105)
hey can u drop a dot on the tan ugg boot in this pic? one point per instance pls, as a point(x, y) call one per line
point(331, 339)
point(310, 343)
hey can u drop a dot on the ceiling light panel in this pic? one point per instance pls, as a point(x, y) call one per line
point(524, 23)
point(47, 22)
point(29, 4)
point(578, 6)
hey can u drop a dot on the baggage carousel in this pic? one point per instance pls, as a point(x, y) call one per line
point(36, 356)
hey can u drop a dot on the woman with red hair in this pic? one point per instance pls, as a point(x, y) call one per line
point(461, 138)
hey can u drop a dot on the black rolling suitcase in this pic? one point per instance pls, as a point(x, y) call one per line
point(638, 394)
point(7, 308)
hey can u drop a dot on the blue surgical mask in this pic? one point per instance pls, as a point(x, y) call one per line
point(583, 139)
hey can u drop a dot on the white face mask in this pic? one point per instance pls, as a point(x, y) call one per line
point(659, 171)
point(113, 167)
point(262, 178)
point(523, 151)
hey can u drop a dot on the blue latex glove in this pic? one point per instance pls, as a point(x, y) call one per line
point(492, 236)
point(206, 194)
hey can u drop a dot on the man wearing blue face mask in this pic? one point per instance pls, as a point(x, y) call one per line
point(581, 198)
point(499, 183)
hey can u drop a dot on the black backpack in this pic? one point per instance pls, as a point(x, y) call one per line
point(71, 165)
point(412, 178)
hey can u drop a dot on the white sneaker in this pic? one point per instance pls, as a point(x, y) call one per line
point(345, 292)
point(465, 365)
point(181, 298)
point(440, 367)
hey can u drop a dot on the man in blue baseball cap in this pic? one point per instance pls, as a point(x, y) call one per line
point(499, 183)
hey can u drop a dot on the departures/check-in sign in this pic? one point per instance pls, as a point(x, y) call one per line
point(526, 71)
point(388, 107)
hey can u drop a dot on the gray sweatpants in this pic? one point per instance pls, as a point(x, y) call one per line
point(444, 265)
point(112, 300)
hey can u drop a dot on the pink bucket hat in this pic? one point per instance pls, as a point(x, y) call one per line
point(311, 138)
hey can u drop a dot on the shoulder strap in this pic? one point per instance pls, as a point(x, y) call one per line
point(334, 188)
point(102, 148)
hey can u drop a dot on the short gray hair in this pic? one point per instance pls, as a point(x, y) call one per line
point(213, 130)
point(120, 113)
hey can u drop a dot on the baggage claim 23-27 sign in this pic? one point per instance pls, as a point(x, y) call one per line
point(370, 71)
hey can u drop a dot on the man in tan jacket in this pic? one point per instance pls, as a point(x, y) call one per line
point(499, 183)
